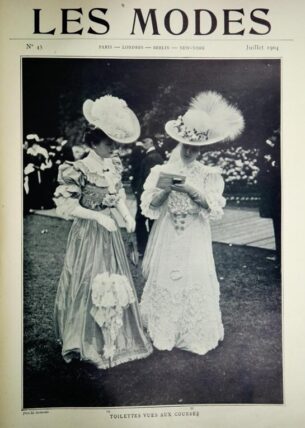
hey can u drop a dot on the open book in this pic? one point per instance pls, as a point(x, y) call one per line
point(165, 180)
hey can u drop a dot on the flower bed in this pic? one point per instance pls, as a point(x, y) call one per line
point(239, 168)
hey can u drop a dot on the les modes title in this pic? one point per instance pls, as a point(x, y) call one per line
point(201, 22)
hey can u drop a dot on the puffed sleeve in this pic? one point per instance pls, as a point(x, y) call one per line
point(214, 187)
point(68, 193)
point(150, 191)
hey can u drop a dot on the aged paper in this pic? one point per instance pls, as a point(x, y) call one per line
point(276, 35)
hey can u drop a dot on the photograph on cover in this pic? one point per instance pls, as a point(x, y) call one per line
point(152, 232)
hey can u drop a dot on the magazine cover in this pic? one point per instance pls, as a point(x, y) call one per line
point(151, 216)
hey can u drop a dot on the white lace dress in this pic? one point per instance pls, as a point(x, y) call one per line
point(180, 301)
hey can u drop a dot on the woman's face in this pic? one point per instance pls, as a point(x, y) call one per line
point(105, 148)
point(189, 153)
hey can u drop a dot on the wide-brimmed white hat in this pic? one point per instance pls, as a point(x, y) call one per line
point(209, 119)
point(114, 117)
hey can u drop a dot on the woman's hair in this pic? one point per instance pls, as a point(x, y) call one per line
point(93, 136)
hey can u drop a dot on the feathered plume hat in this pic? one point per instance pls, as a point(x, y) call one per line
point(114, 117)
point(209, 119)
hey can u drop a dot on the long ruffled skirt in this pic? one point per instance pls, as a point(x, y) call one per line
point(102, 324)
point(180, 302)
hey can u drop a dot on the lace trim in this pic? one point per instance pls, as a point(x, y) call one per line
point(107, 175)
point(179, 203)
point(111, 293)
point(94, 357)
point(186, 318)
point(118, 165)
point(182, 221)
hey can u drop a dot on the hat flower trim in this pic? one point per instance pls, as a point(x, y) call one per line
point(190, 134)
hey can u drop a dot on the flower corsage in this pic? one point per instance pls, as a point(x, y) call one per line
point(111, 200)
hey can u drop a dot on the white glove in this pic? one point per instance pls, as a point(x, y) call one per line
point(130, 223)
point(105, 221)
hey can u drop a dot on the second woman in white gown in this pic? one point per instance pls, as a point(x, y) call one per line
point(180, 302)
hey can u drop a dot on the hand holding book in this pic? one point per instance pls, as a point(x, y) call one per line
point(167, 180)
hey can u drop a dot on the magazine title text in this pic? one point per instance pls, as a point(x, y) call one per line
point(200, 22)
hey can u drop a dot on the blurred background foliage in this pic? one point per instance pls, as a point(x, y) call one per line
point(157, 90)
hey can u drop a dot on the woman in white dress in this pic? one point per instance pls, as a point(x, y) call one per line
point(180, 301)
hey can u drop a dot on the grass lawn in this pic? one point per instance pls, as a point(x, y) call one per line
point(245, 368)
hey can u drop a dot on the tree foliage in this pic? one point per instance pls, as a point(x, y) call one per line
point(157, 90)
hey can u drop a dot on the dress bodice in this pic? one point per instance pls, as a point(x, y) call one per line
point(206, 180)
point(181, 203)
point(94, 182)
point(102, 181)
